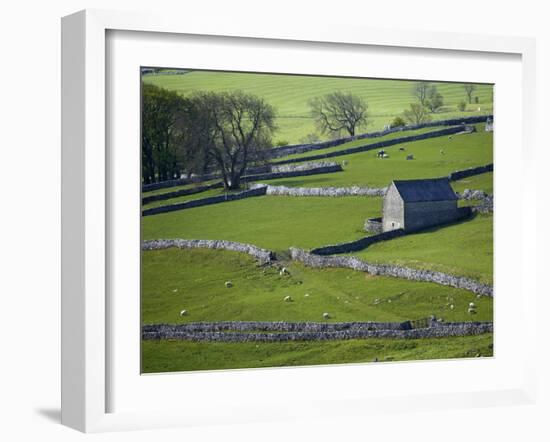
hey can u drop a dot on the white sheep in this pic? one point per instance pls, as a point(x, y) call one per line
point(452, 307)
point(287, 298)
point(344, 163)
point(183, 313)
point(284, 271)
point(471, 310)
point(306, 295)
point(326, 315)
point(472, 305)
point(228, 284)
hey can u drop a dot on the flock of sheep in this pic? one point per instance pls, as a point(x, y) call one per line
point(472, 308)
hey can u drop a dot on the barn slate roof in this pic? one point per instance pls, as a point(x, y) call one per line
point(435, 189)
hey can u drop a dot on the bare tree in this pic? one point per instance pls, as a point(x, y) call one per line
point(417, 114)
point(469, 88)
point(420, 91)
point(339, 111)
point(236, 127)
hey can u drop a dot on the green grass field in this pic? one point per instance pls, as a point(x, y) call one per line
point(194, 280)
point(271, 222)
point(365, 169)
point(478, 182)
point(464, 249)
point(169, 356)
point(289, 94)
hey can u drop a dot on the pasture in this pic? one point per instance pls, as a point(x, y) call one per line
point(270, 222)
point(365, 169)
point(194, 280)
point(289, 94)
point(169, 356)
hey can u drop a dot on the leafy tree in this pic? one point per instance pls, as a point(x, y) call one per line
point(162, 112)
point(339, 112)
point(417, 114)
point(469, 88)
point(398, 122)
point(434, 102)
point(462, 106)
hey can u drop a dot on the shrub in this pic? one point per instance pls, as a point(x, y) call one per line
point(397, 122)
point(281, 143)
point(462, 106)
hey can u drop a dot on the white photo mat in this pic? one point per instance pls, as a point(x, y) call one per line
point(251, 395)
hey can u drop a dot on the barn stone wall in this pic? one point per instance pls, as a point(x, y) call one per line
point(393, 210)
point(420, 215)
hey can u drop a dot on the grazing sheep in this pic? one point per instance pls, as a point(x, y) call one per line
point(472, 305)
point(401, 148)
point(228, 284)
point(410, 157)
point(175, 290)
point(452, 307)
point(183, 313)
point(306, 295)
point(472, 310)
point(287, 298)
point(326, 316)
point(284, 271)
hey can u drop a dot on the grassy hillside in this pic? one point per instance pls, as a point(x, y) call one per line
point(194, 280)
point(290, 94)
point(271, 222)
point(460, 152)
point(167, 356)
point(464, 249)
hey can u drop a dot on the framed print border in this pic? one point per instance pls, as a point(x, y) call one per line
point(85, 201)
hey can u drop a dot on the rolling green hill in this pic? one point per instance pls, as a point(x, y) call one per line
point(290, 94)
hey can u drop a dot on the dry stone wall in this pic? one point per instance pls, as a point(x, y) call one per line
point(309, 332)
point(360, 244)
point(205, 201)
point(283, 151)
point(178, 193)
point(323, 191)
point(262, 255)
point(380, 144)
point(459, 174)
point(350, 262)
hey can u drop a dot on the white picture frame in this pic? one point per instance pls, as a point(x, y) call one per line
point(86, 212)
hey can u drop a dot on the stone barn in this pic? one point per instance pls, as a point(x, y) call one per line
point(416, 204)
